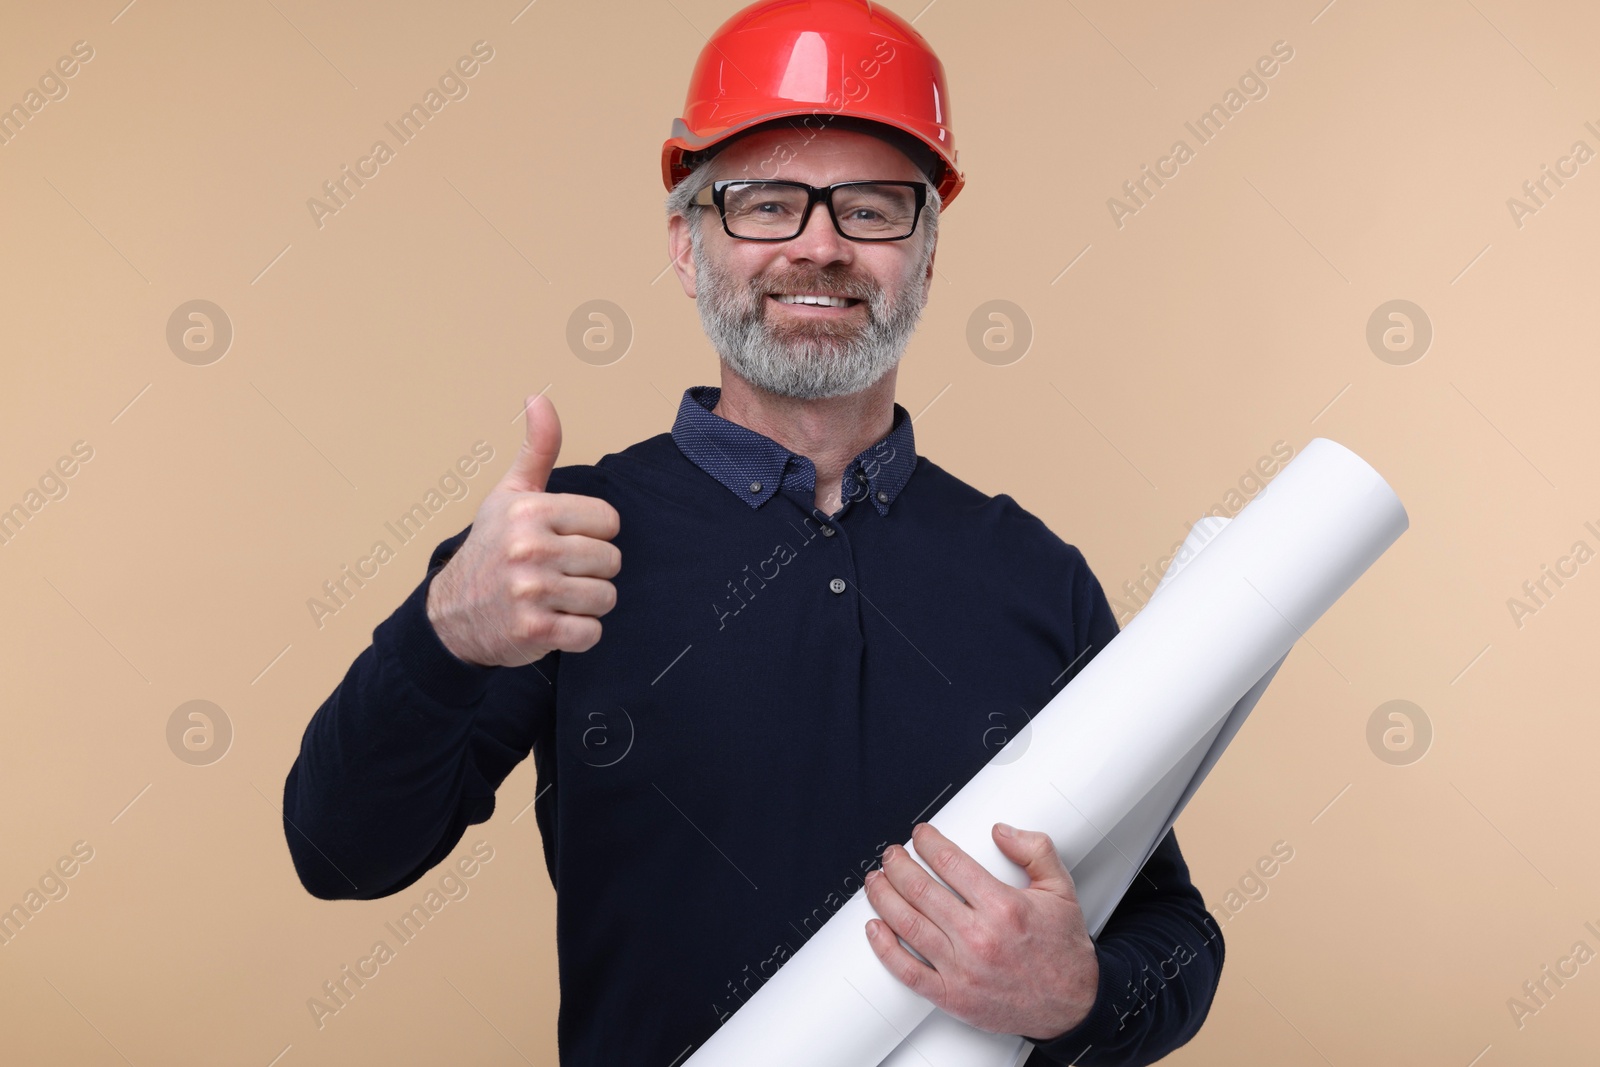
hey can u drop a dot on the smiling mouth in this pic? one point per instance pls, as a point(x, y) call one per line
point(812, 300)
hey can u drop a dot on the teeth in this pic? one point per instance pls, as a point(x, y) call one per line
point(824, 301)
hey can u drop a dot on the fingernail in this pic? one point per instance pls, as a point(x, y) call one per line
point(1005, 829)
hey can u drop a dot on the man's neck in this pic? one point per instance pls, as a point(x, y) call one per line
point(830, 432)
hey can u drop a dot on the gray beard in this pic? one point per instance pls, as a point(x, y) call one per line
point(812, 360)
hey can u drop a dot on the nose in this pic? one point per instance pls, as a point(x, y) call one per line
point(819, 242)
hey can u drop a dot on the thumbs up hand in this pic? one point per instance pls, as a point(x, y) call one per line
point(533, 574)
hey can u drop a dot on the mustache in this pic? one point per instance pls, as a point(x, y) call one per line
point(838, 282)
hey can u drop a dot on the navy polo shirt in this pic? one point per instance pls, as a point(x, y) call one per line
point(776, 697)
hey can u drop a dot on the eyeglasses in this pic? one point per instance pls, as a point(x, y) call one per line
point(779, 210)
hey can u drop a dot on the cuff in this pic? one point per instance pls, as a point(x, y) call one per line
point(408, 636)
point(1104, 1018)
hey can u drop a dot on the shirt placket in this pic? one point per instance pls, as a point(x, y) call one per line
point(838, 581)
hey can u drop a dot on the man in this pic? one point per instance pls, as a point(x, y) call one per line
point(714, 785)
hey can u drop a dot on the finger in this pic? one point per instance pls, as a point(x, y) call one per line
point(1035, 853)
point(920, 932)
point(574, 633)
point(574, 513)
point(541, 444)
point(960, 871)
point(581, 556)
point(922, 891)
point(578, 596)
point(912, 972)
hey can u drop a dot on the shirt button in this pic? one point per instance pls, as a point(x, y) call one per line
point(755, 487)
point(837, 585)
point(883, 498)
point(827, 531)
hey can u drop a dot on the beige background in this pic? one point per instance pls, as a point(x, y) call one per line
point(1230, 313)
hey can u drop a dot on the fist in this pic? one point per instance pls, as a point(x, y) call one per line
point(533, 574)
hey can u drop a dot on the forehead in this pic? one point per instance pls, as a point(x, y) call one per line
point(817, 157)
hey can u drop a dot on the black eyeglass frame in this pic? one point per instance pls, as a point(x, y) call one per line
point(716, 191)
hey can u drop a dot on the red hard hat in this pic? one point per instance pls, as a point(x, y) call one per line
point(837, 60)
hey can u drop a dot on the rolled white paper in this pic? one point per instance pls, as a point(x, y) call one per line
point(1103, 876)
point(1110, 758)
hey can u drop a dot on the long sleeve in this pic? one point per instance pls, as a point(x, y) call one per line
point(1160, 957)
point(406, 753)
point(1160, 952)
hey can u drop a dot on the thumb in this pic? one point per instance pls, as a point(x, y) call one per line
point(1036, 854)
point(541, 443)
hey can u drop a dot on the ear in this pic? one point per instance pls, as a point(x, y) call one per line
point(681, 249)
point(927, 278)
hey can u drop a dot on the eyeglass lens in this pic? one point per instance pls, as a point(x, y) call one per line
point(771, 210)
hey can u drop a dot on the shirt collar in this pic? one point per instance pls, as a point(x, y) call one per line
point(753, 466)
